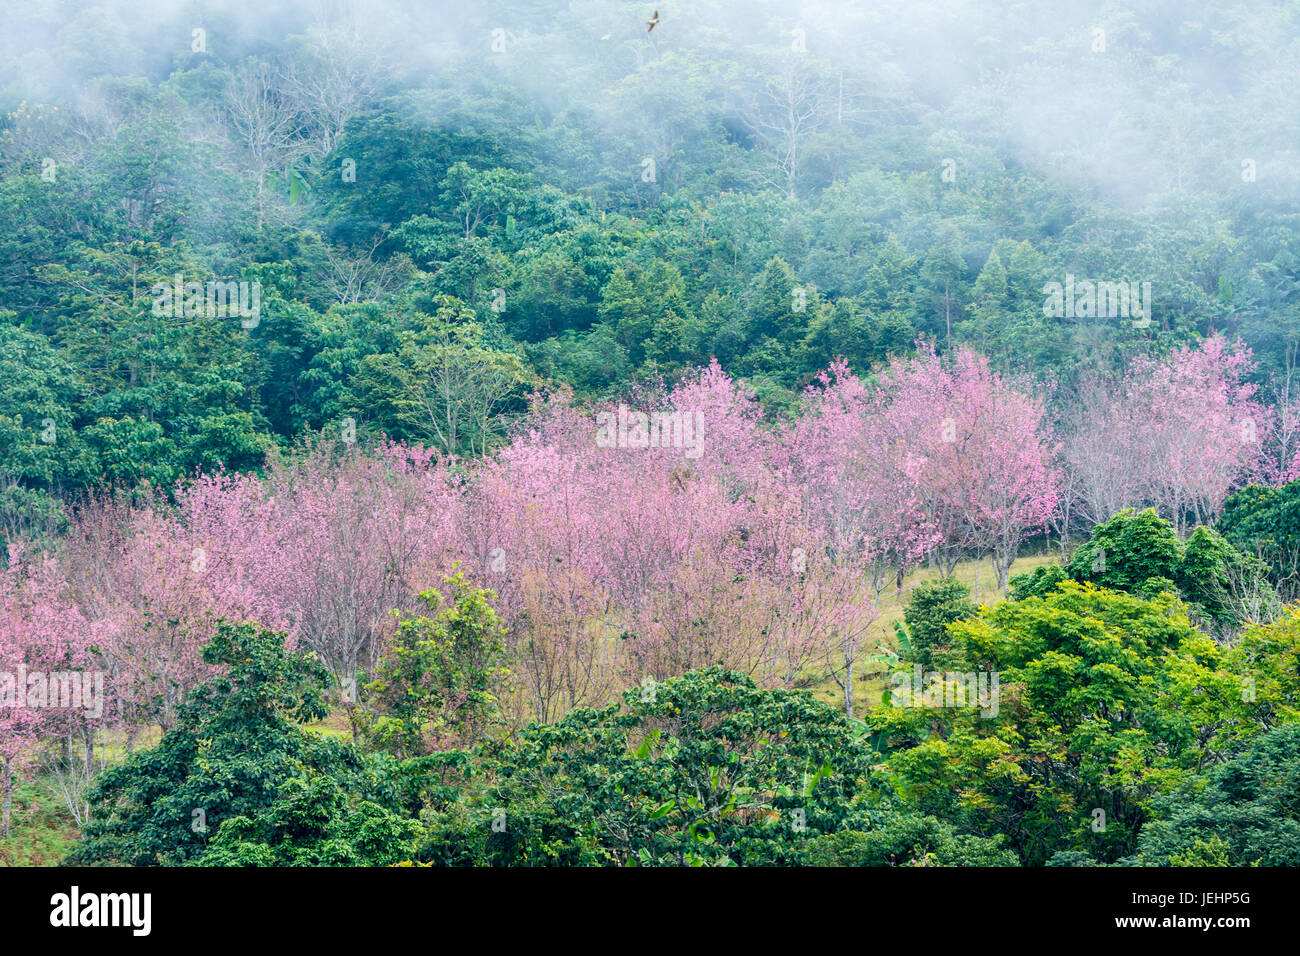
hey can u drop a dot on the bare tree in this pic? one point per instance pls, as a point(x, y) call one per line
point(787, 111)
point(331, 79)
point(265, 122)
point(73, 773)
point(359, 275)
point(1246, 591)
point(1102, 456)
point(1286, 399)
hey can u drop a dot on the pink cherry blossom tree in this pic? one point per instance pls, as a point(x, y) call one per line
point(980, 452)
point(860, 488)
point(1177, 432)
point(44, 641)
point(326, 546)
point(615, 559)
point(620, 562)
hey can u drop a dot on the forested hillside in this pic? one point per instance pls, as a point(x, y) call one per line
point(525, 433)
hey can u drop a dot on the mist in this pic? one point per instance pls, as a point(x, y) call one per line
point(1137, 103)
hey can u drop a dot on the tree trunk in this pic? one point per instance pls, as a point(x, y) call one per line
point(948, 563)
point(350, 697)
point(1002, 566)
point(848, 689)
point(947, 310)
point(7, 785)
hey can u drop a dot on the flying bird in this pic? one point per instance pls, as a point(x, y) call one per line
point(653, 21)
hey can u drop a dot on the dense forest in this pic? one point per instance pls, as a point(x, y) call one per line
point(529, 433)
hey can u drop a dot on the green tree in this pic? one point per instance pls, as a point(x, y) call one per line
point(703, 769)
point(647, 311)
point(780, 304)
point(930, 608)
point(909, 840)
point(313, 821)
point(1105, 701)
point(236, 762)
point(1265, 521)
point(443, 384)
point(440, 677)
point(1141, 553)
point(1243, 813)
point(41, 395)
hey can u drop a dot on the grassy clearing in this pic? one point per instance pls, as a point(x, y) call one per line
point(334, 725)
point(869, 679)
point(42, 831)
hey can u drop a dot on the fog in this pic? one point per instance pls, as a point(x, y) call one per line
point(1139, 101)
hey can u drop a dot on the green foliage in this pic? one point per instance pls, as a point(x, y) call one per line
point(440, 676)
point(1106, 700)
point(909, 840)
point(1036, 583)
point(930, 608)
point(236, 777)
point(1265, 521)
point(1140, 553)
point(43, 832)
point(1231, 585)
point(774, 248)
point(1245, 812)
point(1127, 550)
point(1068, 858)
point(39, 390)
point(1268, 657)
point(442, 386)
point(704, 769)
point(311, 822)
